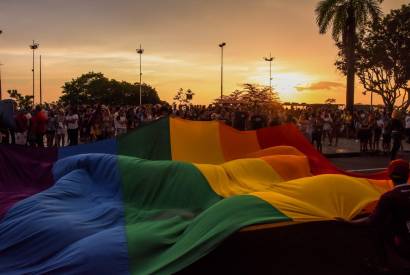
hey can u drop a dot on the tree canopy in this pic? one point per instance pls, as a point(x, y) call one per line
point(383, 58)
point(253, 98)
point(337, 14)
point(24, 102)
point(184, 97)
point(347, 18)
point(95, 88)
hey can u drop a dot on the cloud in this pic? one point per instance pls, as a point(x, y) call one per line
point(321, 85)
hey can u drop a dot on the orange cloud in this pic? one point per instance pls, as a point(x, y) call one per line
point(321, 85)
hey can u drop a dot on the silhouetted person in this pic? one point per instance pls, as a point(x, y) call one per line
point(38, 127)
point(72, 126)
point(396, 134)
point(391, 218)
point(317, 133)
point(240, 120)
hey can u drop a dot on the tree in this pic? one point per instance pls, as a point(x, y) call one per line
point(383, 59)
point(184, 97)
point(95, 88)
point(24, 102)
point(330, 101)
point(252, 98)
point(347, 18)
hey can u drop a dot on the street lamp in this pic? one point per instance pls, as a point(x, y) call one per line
point(34, 47)
point(41, 85)
point(0, 82)
point(270, 59)
point(140, 51)
point(0, 73)
point(222, 45)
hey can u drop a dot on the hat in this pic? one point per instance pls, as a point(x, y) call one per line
point(398, 168)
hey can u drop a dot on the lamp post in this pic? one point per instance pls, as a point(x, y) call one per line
point(140, 51)
point(34, 47)
point(270, 59)
point(222, 45)
point(0, 74)
point(0, 83)
point(41, 85)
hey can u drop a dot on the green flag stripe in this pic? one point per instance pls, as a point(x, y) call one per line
point(150, 141)
point(173, 217)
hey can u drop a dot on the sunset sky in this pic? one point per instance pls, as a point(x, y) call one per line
point(180, 38)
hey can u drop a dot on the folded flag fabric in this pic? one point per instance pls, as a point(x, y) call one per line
point(211, 142)
point(161, 197)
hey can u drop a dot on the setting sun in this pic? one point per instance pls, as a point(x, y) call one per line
point(286, 83)
point(178, 53)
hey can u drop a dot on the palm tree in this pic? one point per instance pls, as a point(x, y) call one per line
point(347, 18)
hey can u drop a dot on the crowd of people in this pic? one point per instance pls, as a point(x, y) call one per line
point(65, 126)
point(55, 125)
point(375, 130)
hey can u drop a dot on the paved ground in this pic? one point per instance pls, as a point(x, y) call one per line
point(365, 163)
point(349, 146)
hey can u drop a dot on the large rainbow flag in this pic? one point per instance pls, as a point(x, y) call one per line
point(161, 197)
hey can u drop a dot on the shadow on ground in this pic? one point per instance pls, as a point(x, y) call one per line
point(310, 248)
point(367, 163)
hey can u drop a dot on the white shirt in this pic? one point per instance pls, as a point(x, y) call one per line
point(121, 122)
point(72, 121)
point(407, 120)
point(327, 123)
point(380, 123)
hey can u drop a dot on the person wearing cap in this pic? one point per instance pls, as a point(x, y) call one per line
point(391, 217)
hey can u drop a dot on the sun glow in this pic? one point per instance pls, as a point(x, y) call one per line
point(285, 83)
